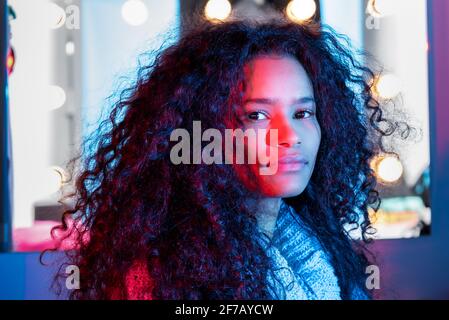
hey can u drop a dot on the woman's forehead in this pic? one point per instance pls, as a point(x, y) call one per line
point(276, 75)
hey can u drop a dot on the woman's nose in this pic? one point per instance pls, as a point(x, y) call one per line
point(287, 135)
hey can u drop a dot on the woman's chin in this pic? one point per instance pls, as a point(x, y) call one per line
point(282, 189)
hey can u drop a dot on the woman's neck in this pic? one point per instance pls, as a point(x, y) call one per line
point(267, 213)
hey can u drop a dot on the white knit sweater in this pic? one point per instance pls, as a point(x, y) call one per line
point(301, 268)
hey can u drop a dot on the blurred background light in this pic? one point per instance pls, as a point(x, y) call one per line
point(301, 10)
point(51, 180)
point(388, 168)
point(70, 48)
point(387, 86)
point(134, 12)
point(55, 97)
point(381, 8)
point(217, 10)
point(55, 15)
point(10, 61)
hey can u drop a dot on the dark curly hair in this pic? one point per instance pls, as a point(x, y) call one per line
point(191, 223)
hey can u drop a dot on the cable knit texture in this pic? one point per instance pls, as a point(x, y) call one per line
point(300, 268)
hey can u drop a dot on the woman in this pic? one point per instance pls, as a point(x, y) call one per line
point(160, 230)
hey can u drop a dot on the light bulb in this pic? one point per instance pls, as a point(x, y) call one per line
point(217, 9)
point(70, 48)
point(387, 86)
point(55, 15)
point(301, 10)
point(134, 12)
point(388, 168)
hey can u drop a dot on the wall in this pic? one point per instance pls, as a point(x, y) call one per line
point(30, 122)
point(23, 277)
point(417, 268)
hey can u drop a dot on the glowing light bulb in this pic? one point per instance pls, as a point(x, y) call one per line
point(51, 180)
point(217, 10)
point(134, 12)
point(70, 48)
point(387, 86)
point(55, 15)
point(301, 10)
point(388, 169)
point(10, 61)
point(386, 7)
point(381, 8)
point(55, 97)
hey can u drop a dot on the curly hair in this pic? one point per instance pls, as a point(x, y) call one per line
point(190, 223)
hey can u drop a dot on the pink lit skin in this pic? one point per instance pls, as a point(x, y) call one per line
point(279, 95)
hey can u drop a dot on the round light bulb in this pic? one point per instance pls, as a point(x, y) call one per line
point(56, 16)
point(389, 169)
point(387, 86)
point(51, 180)
point(301, 10)
point(55, 97)
point(217, 9)
point(381, 8)
point(134, 12)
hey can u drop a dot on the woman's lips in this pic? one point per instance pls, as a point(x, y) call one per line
point(291, 164)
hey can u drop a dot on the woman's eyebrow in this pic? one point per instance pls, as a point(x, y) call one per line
point(269, 101)
point(305, 100)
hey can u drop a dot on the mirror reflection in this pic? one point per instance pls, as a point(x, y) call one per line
point(67, 57)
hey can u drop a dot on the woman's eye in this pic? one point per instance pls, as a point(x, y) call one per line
point(257, 115)
point(304, 114)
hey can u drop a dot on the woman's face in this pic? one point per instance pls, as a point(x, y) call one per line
point(279, 95)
